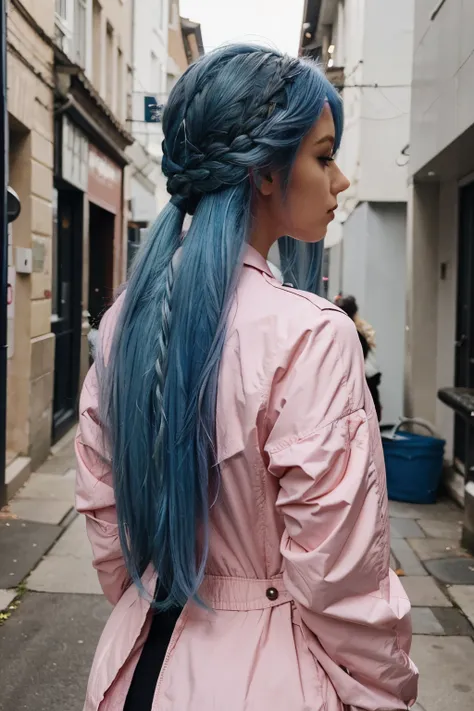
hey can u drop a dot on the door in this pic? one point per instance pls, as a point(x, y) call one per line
point(101, 262)
point(67, 266)
point(464, 375)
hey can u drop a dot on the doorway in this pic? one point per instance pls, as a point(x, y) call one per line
point(101, 262)
point(464, 373)
point(66, 318)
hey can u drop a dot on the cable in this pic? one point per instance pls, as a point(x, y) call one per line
point(376, 86)
point(354, 69)
point(402, 111)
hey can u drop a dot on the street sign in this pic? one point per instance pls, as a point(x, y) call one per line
point(153, 109)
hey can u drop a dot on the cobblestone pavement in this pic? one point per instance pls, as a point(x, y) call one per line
point(54, 611)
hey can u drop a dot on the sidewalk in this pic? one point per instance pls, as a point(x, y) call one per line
point(54, 610)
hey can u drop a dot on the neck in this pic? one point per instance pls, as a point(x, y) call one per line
point(263, 234)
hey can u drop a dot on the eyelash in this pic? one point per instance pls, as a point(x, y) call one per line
point(326, 160)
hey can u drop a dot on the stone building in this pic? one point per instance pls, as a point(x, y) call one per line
point(69, 86)
point(366, 50)
point(93, 84)
point(440, 284)
point(30, 68)
point(88, 172)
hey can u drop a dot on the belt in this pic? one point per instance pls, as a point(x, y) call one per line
point(237, 594)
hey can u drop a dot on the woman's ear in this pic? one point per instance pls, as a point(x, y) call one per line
point(264, 183)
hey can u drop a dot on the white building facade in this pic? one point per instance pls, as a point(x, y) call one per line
point(440, 313)
point(366, 47)
point(147, 185)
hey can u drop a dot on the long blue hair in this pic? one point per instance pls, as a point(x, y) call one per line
point(236, 113)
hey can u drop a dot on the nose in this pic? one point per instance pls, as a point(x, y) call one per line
point(340, 182)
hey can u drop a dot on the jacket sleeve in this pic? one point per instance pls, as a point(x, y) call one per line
point(324, 446)
point(94, 490)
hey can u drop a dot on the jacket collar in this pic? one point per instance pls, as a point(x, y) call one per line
point(254, 259)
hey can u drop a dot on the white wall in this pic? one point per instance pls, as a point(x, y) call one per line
point(348, 37)
point(447, 298)
point(385, 111)
point(150, 37)
point(374, 41)
point(374, 254)
point(150, 60)
point(355, 247)
point(335, 270)
point(422, 300)
point(443, 78)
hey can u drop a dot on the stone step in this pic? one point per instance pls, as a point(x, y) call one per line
point(16, 475)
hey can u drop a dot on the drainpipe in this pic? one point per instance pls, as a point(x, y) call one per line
point(3, 251)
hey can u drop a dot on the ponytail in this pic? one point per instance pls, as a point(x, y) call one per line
point(131, 407)
point(236, 112)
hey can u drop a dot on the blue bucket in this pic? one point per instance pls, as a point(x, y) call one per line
point(414, 465)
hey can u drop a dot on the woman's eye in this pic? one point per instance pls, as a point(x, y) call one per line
point(325, 160)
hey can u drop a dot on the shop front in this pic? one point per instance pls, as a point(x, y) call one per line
point(70, 187)
point(90, 259)
point(106, 252)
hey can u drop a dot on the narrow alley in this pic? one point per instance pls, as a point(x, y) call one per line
point(54, 611)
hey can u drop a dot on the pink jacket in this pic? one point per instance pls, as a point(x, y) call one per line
point(306, 615)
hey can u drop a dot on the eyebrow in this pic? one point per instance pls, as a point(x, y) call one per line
point(325, 139)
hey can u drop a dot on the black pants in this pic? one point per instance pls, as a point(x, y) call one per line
point(373, 384)
point(142, 689)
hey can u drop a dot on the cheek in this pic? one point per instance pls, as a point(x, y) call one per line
point(308, 193)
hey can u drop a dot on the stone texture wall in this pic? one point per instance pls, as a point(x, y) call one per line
point(30, 108)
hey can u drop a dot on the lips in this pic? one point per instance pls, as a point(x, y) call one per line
point(332, 213)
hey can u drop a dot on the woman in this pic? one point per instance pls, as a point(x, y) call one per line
point(229, 461)
point(367, 340)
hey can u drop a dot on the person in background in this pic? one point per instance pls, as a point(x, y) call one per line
point(367, 340)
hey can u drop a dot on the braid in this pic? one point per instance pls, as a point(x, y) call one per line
point(222, 158)
point(238, 111)
point(161, 363)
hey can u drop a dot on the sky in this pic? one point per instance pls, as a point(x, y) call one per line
point(273, 22)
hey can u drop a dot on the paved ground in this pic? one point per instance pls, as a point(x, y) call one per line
point(54, 612)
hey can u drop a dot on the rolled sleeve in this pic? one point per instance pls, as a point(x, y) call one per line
point(336, 542)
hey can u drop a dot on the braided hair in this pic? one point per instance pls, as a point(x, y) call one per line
point(236, 113)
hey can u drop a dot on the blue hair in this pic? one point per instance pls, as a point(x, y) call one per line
point(237, 112)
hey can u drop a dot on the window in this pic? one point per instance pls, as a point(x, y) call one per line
point(80, 32)
point(160, 13)
point(155, 74)
point(63, 24)
point(61, 9)
point(129, 90)
point(96, 44)
point(170, 82)
point(173, 14)
point(109, 86)
point(120, 83)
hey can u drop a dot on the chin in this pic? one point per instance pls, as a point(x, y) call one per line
point(312, 237)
